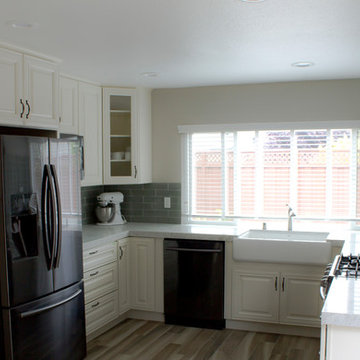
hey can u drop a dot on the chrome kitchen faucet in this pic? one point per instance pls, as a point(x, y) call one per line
point(291, 214)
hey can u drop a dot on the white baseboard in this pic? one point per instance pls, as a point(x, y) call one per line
point(230, 324)
point(274, 328)
point(146, 315)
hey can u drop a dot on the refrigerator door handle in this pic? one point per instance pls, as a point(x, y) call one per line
point(49, 307)
point(52, 205)
point(59, 216)
point(45, 214)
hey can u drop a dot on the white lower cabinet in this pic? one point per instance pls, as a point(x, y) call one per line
point(124, 275)
point(339, 342)
point(142, 259)
point(100, 286)
point(255, 296)
point(274, 297)
point(300, 303)
point(121, 276)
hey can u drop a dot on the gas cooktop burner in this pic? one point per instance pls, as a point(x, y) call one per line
point(348, 266)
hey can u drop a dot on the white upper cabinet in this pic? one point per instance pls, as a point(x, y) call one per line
point(40, 92)
point(127, 135)
point(90, 126)
point(69, 106)
point(11, 88)
point(28, 90)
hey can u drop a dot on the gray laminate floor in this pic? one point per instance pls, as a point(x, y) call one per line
point(146, 340)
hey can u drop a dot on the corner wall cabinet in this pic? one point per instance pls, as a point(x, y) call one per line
point(28, 90)
point(127, 135)
point(90, 127)
point(68, 105)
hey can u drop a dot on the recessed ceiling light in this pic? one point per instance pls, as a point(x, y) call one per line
point(22, 24)
point(253, 1)
point(149, 74)
point(302, 64)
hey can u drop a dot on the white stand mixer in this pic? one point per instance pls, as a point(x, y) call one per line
point(108, 210)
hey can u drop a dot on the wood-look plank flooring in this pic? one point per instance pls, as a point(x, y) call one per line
point(149, 340)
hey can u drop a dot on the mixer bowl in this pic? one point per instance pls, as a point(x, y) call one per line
point(104, 214)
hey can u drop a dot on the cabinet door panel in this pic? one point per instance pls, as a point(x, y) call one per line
point(90, 126)
point(143, 274)
point(300, 301)
point(41, 92)
point(10, 87)
point(255, 296)
point(69, 106)
point(124, 273)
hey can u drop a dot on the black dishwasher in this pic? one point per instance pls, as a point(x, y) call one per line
point(194, 283)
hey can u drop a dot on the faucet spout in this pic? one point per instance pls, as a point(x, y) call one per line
point(291, 214)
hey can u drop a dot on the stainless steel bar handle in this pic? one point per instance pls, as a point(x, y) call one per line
point(49, 307)
point(44, 217)
point(52, 213)
point(195, 250)
point(59, 215)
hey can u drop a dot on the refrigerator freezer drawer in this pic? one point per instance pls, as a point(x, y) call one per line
point(101, 311)
point(100, 281)
point(99, 256)
point(50, 328)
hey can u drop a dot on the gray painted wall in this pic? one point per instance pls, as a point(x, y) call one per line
point(277, 102)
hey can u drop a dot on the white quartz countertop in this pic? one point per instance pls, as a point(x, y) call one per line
point(342, 305)
point(95, 235)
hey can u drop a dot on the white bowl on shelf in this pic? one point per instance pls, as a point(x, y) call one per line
point(117, 155)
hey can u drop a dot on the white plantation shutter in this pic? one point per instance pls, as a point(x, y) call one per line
point(244, 174)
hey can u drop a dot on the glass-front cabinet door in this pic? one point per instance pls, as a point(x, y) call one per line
point(119, 136)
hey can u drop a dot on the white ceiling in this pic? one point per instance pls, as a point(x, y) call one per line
point(191, 42)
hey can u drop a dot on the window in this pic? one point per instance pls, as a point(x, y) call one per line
point(254, 174)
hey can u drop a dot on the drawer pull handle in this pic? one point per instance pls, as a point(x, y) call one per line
point(121, 252)
point(93, 252)
point(95, 273)
point(95, 305)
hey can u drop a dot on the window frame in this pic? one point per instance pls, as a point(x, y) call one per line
point(187, 130)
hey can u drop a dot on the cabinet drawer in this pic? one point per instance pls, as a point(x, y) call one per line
point(100, 281)
point(99, 256)
point(101, 311)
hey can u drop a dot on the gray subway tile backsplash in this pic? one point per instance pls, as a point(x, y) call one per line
point(142, 203)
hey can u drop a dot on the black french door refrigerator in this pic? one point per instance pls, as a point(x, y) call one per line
point(42, 299)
